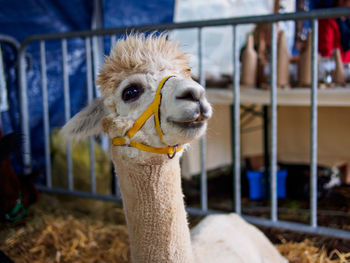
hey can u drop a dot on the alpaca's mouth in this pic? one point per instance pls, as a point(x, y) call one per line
point(190, 123)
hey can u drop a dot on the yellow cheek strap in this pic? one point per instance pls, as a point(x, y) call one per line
point(152, 109)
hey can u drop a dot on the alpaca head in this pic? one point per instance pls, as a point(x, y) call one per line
point(129, 81)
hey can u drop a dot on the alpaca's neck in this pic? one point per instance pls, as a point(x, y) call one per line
point(155, 211)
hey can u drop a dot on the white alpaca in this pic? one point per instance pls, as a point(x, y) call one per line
point(151, 109)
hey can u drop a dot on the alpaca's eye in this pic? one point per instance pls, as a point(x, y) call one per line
point(132, 92)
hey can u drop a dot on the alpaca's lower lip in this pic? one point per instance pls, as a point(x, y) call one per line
point(189, 125)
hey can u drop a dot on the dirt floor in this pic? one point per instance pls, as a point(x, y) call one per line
point(82, 230)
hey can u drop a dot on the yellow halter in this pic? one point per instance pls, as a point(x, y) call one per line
point(152, 109)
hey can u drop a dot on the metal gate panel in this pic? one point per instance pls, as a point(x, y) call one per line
point(110, 35)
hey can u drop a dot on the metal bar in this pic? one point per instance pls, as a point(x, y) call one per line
point(90, 98)
point(77, 193)
point(300, 211)
point(26, 155)
point(332, 232)
point(204, 187)
point(313, 146)
point(97, 42)
point(10, 40)
point(3, 90)
point(266, 144)
point(113, 41)
point(97, 54)
point(337, 233)
point(67, 110)
point(45, 113)
point(313, 14)
point(236, 126)
point(273, 123)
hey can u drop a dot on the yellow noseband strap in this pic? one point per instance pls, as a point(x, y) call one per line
point(152, 109)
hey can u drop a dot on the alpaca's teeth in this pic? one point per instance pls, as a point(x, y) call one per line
point(200, 118)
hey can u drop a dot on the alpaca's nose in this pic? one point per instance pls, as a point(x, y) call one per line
point(190, 94)
point(196, 94)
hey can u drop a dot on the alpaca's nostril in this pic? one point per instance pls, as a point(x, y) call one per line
point(190, 95)
point(205, 111)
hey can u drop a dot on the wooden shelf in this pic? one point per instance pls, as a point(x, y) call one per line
point(337, 96)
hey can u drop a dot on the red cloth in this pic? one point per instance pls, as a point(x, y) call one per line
point(11, 185)
point(329, 39)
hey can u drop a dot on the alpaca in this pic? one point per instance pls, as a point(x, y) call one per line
point(151, 109)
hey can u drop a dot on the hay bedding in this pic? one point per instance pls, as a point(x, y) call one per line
point(306, 252)
point(69, 240)
point(68, 230)
point(94, 231)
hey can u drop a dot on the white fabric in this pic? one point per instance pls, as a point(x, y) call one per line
point(218, 41)
point(3, 91)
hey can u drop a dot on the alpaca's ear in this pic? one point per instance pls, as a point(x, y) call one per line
point(86, 122)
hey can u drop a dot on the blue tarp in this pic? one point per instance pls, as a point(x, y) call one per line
point(21, 19)
point(136, 12)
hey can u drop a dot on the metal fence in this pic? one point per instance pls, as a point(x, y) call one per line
point(110, 34)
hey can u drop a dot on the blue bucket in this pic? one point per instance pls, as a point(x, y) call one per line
point(281, 184)
point(257, 184)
